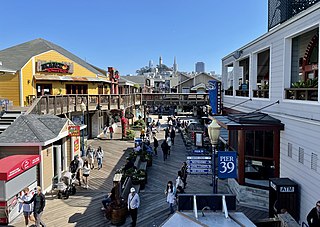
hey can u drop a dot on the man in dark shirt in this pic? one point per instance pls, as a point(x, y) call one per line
point(39, 202)
point(313, 217)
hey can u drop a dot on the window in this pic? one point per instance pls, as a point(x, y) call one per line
point(229, 82)
point(243, 79)
point(259, 144)
point(304, 67)
point(44, 89)
point(77, 89)
point(301, 155)
point(263, 66)
point(290, 150)
point(314, 161)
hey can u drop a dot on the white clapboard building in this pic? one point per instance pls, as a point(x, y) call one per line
point(277, 74)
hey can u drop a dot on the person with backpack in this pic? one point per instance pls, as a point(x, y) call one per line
point(179, 183)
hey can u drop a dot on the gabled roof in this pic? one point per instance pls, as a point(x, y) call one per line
point(141, 80)
point(17, 56)
point(33, 128)
point(206, 74)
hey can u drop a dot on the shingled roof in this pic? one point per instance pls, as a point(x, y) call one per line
point(14, 58)
point(33, 128)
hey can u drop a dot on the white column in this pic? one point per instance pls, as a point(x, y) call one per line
point(65, 153)
point(236, 76)
point(58, 161)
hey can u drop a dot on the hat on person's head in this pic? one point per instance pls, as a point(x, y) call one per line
point(132, 190)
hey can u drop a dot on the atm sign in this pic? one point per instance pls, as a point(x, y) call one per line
point(286, 189)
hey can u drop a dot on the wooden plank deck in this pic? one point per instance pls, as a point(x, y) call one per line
point(83, 209)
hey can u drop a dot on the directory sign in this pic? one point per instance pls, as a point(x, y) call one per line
point(199, 165)
point(227, 164)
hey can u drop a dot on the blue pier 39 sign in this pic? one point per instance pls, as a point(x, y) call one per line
point(227, 164)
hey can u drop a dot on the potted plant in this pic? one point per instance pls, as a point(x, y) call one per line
point(118, 208)
point(140, 177)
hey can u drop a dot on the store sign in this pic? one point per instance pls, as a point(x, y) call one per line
point(227, 164)
point(16, 166)
point(55, 67)
point(76, 145)
point(74, 130)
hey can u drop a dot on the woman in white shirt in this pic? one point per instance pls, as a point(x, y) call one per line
point(86, 173)
point(27, 208)
point(171, 196)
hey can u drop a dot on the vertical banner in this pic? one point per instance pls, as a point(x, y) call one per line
point(213, 95)
point(76, 146)
point(227, 164)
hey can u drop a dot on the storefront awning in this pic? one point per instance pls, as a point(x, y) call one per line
point(247, 121)
point(14, 165)
point(71, 78)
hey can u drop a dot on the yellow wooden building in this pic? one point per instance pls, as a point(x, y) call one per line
point(39, 67)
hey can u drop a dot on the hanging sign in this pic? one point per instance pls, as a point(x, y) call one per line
point(227, 164)
point(74, 130)
point(199, 165)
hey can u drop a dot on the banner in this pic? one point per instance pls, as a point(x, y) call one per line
point(227, 164)
point(213, 95)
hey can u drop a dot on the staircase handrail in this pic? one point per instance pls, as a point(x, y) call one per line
point(33, 105)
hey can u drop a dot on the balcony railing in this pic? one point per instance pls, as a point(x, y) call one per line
point(228, 92)
point(261, 93)
point(244, 93)
point(310, 94)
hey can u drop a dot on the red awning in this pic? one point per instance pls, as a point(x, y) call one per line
point(14, 165)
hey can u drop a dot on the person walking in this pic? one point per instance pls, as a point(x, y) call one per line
point(184, 172)
point(133, 205)
point(26, 208)
point(142, 135)
point(179, 183)
point(165, 149)
point(90, 156)
point(169, 142)
point(111, 131)
point(170, 192)
point(155, 145)
point(158, 124)
point(172, 135)
point(86, 173)
point(79, 169)
point(39, 202)
point(313, 217)
point(99, 155)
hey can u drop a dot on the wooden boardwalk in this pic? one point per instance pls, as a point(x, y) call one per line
point(83, 209)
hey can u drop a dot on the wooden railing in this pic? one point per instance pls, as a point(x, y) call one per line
point(310, 94)
point(62, 104)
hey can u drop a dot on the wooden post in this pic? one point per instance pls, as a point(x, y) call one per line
point(54, 105)
point(276, 152)
point(68, 103)
point(47, 104)
point(241, 158)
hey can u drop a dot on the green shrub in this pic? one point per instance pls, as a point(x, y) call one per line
point(130, 134)
point(139, 123)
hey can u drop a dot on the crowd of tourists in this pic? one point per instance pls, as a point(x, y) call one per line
point(81, 166)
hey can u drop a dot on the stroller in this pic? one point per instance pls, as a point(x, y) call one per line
point(67, 185)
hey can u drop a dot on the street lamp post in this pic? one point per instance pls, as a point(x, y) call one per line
point(83, 109)
point(214, 132)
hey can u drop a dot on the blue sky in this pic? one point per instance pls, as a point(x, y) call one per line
point(127, 34)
